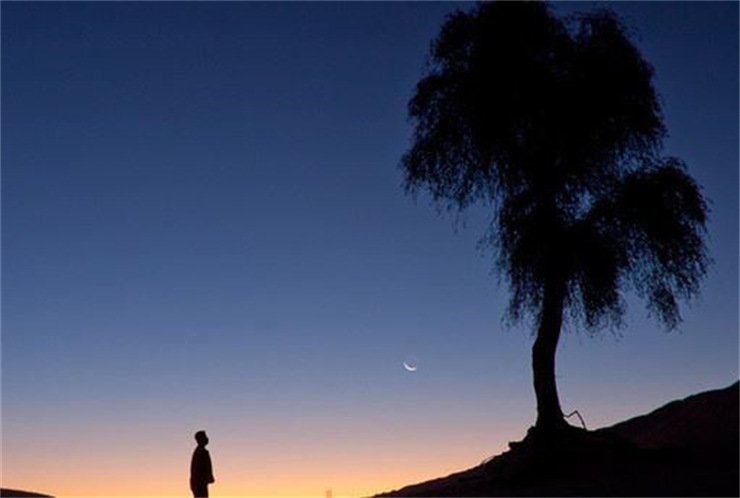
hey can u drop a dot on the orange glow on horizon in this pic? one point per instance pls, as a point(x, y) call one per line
point(292, 483)
point(279, 456)
point(266, 474)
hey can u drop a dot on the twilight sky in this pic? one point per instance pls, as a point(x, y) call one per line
point(203, 228)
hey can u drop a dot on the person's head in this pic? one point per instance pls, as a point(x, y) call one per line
point(201, 437)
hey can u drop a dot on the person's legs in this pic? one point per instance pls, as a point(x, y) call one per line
point(200, 491)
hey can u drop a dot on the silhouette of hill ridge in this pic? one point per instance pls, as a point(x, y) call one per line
point(21, 494)
point(688, 447)
point(708, 419)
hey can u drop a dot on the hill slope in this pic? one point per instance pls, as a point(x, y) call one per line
point(685, 448)
point(21, 494)
point(707, 420)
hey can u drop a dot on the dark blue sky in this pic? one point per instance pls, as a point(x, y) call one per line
point(203, 225)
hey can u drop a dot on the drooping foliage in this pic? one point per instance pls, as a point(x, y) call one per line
point(557, 124)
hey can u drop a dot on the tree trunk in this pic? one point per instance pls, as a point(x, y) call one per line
point(549, 414)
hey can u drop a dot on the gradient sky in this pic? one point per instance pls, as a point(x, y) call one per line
point(203, 228)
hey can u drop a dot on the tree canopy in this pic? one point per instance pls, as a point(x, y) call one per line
point(557, 125)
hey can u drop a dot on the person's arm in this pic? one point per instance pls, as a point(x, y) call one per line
point(209, 468)
point(193, 468)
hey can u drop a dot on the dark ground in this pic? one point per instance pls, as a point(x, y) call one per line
point(689, 447)
point(21, 494)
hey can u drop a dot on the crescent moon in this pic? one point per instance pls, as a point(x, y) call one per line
point(410, 368)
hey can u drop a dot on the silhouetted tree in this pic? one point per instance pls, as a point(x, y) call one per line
point(557, 127)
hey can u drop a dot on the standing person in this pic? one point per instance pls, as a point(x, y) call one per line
point(201, 471)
